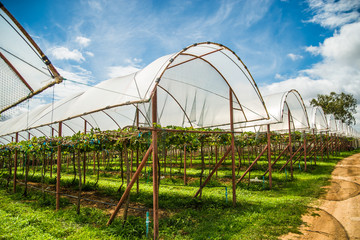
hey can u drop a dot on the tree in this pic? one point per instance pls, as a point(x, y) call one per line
point(342, 105)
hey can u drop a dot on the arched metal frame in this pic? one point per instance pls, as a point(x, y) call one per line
point(54, 73)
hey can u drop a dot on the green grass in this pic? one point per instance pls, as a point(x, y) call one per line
point(260, 213)
point(29, 218)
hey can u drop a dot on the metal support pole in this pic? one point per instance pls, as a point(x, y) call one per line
point(315, 147)
point(58, 171)
point(132, 182)
point(232, 147)
point(185, 182)
point(305, 151)
point(273, 164)
point(155, 167)
point(216, 158)
point(292, 157)
point(51, 154)
point(269, 154)
point(84, 156)
point(290, 148)
point(252, 164)
point(15, 161)
point(137, 150)
point(322, 145)
point(212, 172)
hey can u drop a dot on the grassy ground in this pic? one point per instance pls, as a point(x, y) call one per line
point(260, 213)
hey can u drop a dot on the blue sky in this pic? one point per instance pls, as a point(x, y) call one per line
point(312, 46)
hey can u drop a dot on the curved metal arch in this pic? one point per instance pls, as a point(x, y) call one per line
point(331, 121)
point(290, 117)
point(200, 57)
point(22, 136)
point(182, 109)
point(316, 111)
point(39, 131)
point(222, 76)
point(53, 130)
point(87, 122)
point(298, 96)
point(251, 80)
point(147, 120)
point(112, 119)
point(223, 47)
point(69, 127)
point(5, 139)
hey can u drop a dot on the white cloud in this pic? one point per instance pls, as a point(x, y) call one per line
point(89, 54)
point(338, 71)
point(133, 61)
point(294, 57)
point(313, 50)
point(279, 76)
point(63, 53)
point(307, 87)
point(76, 80)
point(83, 41)
point(96, 5)
point(344, 47)
point(132, 65)
point(334, 14)
point(118, 71)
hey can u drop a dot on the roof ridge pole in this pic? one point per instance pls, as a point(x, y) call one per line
point(15, 161)
point(232, 146)
point(155, 165)
point(58, 171)
point(269, 154)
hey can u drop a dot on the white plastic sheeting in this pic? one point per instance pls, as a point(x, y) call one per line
point(339, 127)
point(317, 119)
point(24, 69)
point(279, 106)
point(331, 122)
point(193, 89)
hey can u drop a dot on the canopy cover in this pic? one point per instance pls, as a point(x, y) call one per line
point(317, 119)
point(286, 110)
point(24, 69)
point(194, 88)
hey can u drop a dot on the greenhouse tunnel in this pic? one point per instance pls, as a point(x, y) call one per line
point(205, 85)
point(317, 119)
point(193, 88)
point(279, 106)
point(204, 88)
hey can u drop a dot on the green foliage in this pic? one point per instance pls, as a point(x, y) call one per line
point(342, 105)
point(260, 213)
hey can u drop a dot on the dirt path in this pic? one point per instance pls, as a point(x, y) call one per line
point(337, 216)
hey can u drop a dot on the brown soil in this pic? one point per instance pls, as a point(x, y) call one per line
point(337, 215)
point(94, 199)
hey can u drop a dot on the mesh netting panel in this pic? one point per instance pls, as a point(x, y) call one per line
point(14, 111)
point(11, 88)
